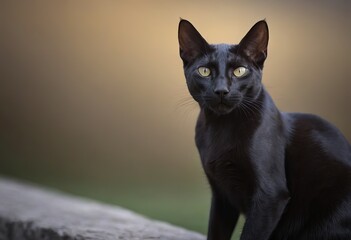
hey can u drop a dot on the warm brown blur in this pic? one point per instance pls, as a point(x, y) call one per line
point(95, 89)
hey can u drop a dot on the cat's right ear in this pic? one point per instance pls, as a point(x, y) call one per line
point(191, 43)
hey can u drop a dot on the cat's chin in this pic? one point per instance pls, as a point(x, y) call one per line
point(222, 109)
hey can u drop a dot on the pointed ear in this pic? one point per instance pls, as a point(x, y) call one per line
point(254, 44)
point(191, 43)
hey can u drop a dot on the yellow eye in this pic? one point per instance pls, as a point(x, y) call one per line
point(204, 71)
point(240, 72)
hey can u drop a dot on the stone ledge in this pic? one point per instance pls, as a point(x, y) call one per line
point(28, 212)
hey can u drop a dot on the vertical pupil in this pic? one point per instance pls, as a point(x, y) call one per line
point(204, 71)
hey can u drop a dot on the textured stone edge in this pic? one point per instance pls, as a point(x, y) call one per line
point(29, 212)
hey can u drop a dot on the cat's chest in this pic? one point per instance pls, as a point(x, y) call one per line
point(226, 161)
point(223, 159)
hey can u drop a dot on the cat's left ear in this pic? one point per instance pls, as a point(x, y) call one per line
point(254, 44)
point(191, 43)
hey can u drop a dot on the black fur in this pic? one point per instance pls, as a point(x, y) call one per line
point(288, 173)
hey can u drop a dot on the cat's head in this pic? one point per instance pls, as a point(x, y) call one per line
point(223, 77)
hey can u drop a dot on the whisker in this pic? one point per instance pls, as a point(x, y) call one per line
point(249, 111)
point(251, 107)
point(242, 109)
point(186, 106)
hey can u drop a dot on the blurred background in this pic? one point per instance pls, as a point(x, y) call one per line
point(93, 100)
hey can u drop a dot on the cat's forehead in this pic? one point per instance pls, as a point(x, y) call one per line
point(222, 47)
point(225, 52)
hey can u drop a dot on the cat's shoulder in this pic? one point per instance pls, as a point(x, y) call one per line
point(307, 120)
point(308, 129)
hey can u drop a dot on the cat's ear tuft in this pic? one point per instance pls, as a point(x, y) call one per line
point(191, 43)
point(254, 44)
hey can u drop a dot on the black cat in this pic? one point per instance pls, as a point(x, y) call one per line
point(288, 173)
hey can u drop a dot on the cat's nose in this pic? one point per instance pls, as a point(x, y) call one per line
point(221, 91)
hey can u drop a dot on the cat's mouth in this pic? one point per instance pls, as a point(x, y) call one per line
point(223, 107)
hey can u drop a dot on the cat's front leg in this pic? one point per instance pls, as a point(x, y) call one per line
point(264, 215)
point(223, 218)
